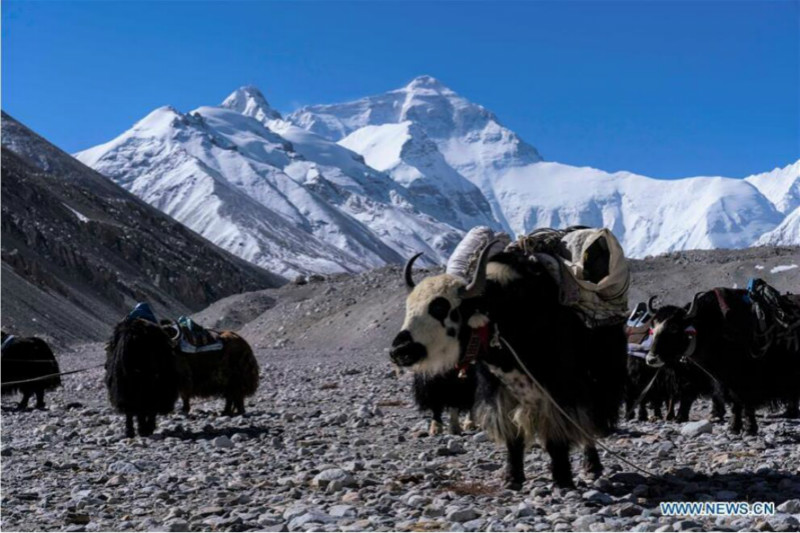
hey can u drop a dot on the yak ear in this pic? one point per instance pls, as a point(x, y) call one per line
point(651, 307)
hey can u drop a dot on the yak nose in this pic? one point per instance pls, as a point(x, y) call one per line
point(404, 337)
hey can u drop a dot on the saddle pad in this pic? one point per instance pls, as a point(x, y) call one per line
point(195, 338)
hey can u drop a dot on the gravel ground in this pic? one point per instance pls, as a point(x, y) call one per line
point(331, 442)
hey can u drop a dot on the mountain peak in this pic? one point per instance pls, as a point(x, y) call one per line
point(429, 83)
point(248, 100)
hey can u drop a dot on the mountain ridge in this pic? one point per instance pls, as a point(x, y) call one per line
point(374, 180)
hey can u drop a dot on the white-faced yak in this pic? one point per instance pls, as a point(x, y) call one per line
point(512, 299)
point(28, 359)
point(141, 373)
point(453, 391)
point(716, 336)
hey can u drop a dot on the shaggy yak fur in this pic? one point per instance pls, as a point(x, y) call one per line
point(230, 373)
point(447, 391)
point(141, 374)
point(721, 348)
point(583, 369)
point(29, 358)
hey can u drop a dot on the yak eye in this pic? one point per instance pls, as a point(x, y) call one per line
point(455, 316)
point(439, 308)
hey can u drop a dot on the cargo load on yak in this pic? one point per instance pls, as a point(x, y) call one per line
point(588, 264)
point(776, 317)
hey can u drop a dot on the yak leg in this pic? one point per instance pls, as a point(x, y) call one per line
point(129, 431)
point(591, 461)
point(23, 403)
point(685, 408)
point(559, 463)
point(750, 424)
point(792, 410)
point(642, 416)
point(469, 422)
point(40, 399)
point(455, 423)
point(717, 408)
point(628, 409)
point(141, 423)
point(657, 410)
point(436, 423)
point(515, 468)
point(735, 425)
point(228, 411)
point(239, 404)
point(670, 408)
point(187, 406)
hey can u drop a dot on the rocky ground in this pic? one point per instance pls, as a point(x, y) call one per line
point(331, 442)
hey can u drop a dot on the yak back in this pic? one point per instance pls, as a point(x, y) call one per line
point(29, 358)
point(233, 370)
point(446, 390)
point(581, 367)
point(725, 329)
point(141, 369)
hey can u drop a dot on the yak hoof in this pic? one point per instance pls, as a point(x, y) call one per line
point(513, 485)
point(469, 425)
point(435, 429)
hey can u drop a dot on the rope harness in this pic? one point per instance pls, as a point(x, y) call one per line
point(572, 421)
point(42, 378)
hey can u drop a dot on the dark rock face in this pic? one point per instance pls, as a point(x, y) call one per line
point(89, 248)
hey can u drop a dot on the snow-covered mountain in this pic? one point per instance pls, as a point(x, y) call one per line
point(649, 216)
point(781, 186)
point(787, 233)
point(293, 203)
point(349, 186)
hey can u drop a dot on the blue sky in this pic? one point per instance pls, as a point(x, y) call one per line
point(667, 89)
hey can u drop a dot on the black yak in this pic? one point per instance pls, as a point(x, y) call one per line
point(516, 301)
point(671, 386)
point(141, 373)
point(715, 337)
point(230, 372)
point(447, 391)
point(28, 359)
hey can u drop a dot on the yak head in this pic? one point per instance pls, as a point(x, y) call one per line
point(674, 335)
point(435, 315)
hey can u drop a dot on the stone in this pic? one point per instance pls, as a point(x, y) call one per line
point(693, 429)
point(340, 477)
point(123, 467)
point(790, 507)
point(461, 515)
point(222, 442)
point(598, 497)
point(342, 511)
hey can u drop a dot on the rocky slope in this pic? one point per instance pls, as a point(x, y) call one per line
point(78, 251)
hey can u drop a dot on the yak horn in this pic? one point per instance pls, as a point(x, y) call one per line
point(650, 307)
point(172, 325)
point(478, 283)
point(407, 272)
point(692, 312)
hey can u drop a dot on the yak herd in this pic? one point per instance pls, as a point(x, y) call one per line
point(500, 347)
